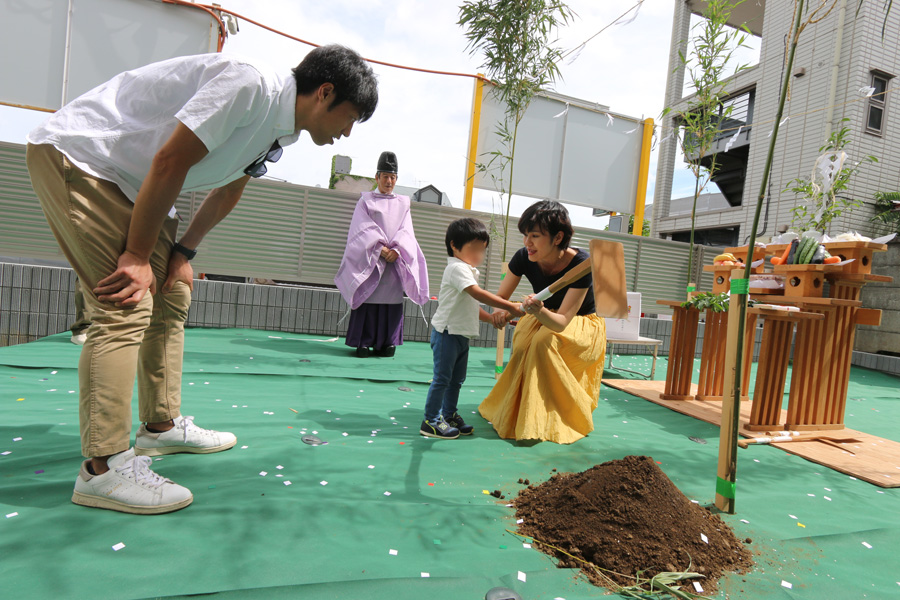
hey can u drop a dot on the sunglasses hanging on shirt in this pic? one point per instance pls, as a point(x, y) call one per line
point(258, 167)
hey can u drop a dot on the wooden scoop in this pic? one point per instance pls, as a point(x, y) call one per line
point(607, 268)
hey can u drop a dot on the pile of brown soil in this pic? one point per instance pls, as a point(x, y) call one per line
point(626, 516)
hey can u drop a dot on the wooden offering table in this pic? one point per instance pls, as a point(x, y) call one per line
point(819, 376)
point(681, 351)
point(771, 372)
point(712, 356)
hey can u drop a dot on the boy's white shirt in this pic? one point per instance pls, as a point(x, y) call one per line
point(457, 311)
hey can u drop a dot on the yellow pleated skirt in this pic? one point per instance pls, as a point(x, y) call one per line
point(550, 387)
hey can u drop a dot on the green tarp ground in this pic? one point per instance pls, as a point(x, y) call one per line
point(331, 532)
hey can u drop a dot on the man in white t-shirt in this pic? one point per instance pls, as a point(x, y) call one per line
point(107, 168)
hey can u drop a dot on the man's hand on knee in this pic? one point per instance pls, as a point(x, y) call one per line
point(128, 284)
point(179, 270)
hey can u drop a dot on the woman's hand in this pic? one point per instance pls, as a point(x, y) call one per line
point(532, 305)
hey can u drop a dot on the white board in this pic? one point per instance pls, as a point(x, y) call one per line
point(579, 157)
point(55, 50)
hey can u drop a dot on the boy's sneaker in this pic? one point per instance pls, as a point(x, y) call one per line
point(457, 421)
point(440, 429)
point(184, 437)
point(129, 486)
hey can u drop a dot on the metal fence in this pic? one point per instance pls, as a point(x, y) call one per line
point(297, 233)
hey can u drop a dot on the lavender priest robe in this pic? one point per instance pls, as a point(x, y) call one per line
point(381, 220)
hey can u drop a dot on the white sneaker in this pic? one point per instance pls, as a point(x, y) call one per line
point(130, 487)
point(79, 338)
point(184, 437)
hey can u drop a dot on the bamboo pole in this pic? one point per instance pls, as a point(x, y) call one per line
point(728, 432)
point(501, 336)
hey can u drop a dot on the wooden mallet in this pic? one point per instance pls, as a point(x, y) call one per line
point(607, 267)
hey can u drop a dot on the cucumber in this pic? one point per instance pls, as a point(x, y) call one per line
point(805, 251)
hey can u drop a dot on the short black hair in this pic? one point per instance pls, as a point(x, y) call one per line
point(548, 216)
point(352, 77)
point(462, 231)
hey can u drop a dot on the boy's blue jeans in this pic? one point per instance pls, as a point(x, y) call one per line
point(451, 356)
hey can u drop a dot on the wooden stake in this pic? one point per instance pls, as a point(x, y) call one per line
point(725, 474)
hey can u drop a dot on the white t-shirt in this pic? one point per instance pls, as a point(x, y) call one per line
point(457, 311)
point(236, 106)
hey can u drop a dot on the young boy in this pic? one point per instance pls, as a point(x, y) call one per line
point(454, 322)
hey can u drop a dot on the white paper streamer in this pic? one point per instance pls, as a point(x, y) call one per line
point(610, 120)
point(563, 112)
point(866, 91)
point(733, 139)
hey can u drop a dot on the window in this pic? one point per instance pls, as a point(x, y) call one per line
point(877, 101)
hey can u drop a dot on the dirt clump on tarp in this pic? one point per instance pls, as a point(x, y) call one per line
point(626, 516)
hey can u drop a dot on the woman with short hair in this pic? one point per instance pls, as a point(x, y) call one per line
point(549, 389)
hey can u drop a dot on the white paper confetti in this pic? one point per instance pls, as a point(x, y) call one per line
point(371, 466)
point(827, 498)
point(392, 552)
point(54, 372)
point(286, 482)
point(244, 447)
point(12, 514)
point(867, 545)
point(521, 576)
point(518, 521)
point(698, 587)
point(704, 538)
point(424, 574)
point(18, 439)
point(745, 521)
point(279, 467)
point(118, 546)
point(5, 453)
point(323, 482)
point(793, 517)
point(786, 584)
point(263, 473)
point(526, 546)
point(387, 493)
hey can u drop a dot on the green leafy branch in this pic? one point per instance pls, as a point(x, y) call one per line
point(822, 204)
point(520, 58)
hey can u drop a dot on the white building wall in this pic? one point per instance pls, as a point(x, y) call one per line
point(800, 137)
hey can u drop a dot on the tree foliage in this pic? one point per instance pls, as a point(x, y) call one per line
point(521, 57)
point(707, 64)
point(823, 194)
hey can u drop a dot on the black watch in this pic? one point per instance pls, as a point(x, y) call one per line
point(187, 252)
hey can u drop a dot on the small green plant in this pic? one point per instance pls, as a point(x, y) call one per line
point(707, 65)
point(822, 194)
point(887, 210)
point(716, 302)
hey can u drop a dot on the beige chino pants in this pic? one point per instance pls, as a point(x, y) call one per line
point(90, 218)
